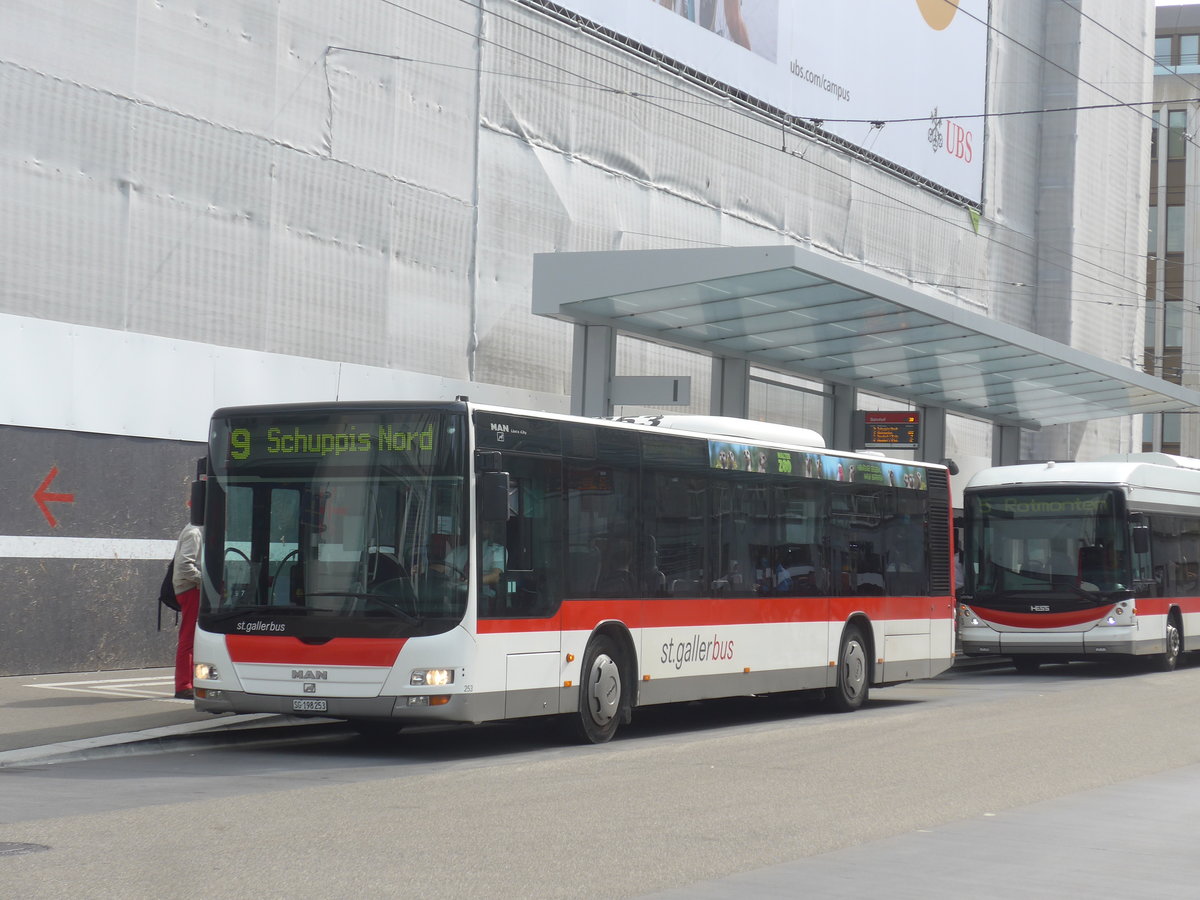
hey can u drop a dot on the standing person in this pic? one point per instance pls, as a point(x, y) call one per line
point(186, 581)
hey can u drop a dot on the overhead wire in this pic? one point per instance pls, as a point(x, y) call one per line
point(894, 202)
point(578, 81)
point(1052, 62)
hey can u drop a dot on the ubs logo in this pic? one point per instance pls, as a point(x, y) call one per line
point(953, 137)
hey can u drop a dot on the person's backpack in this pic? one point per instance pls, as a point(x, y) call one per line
point(166, 593)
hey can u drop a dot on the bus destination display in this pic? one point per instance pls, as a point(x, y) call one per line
point(346, 441)
point(891, 430)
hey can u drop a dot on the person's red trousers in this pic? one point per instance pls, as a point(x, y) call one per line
point(189, 605)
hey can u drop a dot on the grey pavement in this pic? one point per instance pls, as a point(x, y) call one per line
point(1130, 840)
point(57, 717)
point(1134, 839)
point(64, 716)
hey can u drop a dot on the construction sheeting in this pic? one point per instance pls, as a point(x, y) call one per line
point(366, 184)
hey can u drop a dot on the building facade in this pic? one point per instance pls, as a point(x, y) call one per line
point(268, 200)
point(1172, 337)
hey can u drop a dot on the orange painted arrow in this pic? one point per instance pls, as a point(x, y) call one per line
point(43, 496)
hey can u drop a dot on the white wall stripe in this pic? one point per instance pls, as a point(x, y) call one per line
point(44, 547)
point(116, 397)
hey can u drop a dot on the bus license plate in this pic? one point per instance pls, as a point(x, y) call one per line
point(309, 706)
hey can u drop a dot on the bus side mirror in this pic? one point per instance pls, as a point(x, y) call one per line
point(1141, 539)
point(493, 496)
point(196, 503)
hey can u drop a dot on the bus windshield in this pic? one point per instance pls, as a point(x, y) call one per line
point(336, 525)
point(1069, 543)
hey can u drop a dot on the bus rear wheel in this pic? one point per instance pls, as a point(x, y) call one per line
point(853, 673)
point(601, 692)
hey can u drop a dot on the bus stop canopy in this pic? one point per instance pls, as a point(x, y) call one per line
point(793, 310)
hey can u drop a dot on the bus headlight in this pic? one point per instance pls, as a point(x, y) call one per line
point(421, 677)
point(1122, 614)
point(968, 618)
point(206, 672)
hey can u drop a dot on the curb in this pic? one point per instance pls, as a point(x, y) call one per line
point(242, 730)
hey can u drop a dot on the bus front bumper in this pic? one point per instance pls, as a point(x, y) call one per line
point(417, 709)
point(1098, 641)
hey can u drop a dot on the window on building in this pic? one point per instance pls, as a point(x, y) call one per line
point(1172, 365)
point(1189, 49)
point(1175, 229)
point(1173, 276)
point(1162, 50)
point(1176, 131)
point(1152, 231)
point(1172, 426)
point(1172, 341)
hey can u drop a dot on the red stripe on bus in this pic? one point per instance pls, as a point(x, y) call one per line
point(258, 648)
point(1043, 620)
point(584, 615)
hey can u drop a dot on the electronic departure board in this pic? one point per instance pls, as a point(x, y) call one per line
point(891, 430)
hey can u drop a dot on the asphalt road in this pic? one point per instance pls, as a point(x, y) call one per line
point(980, 783)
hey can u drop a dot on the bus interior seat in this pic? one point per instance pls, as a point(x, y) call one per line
point(685, 587)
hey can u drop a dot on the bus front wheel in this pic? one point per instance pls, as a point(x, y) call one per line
point(853, 673)
point(601, 692)
point(1173, 643)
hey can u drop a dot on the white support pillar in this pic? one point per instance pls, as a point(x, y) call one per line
point(592, 362)
point(730, 387)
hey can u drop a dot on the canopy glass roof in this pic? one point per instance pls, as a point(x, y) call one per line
point(793, 310)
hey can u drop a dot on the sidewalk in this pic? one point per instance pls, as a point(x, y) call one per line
point(44, 717)
point(59, 716)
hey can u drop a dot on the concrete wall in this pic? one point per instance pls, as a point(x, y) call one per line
point(86, 525)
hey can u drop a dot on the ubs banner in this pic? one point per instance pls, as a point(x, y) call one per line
point(846, 63)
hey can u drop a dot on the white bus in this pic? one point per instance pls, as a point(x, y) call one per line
point(392, 563)
point(1088, 560)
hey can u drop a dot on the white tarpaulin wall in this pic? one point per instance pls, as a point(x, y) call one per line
point(366, 183)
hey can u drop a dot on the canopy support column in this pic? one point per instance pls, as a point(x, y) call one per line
point(592, 362)
point(933, 434)
point(1006, 445)
point(838, 429)
point(730, 387)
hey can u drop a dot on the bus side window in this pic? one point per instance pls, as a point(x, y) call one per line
point(676, 514)
point(604, 558)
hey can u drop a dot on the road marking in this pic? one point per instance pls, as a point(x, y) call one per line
point(161, 687)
